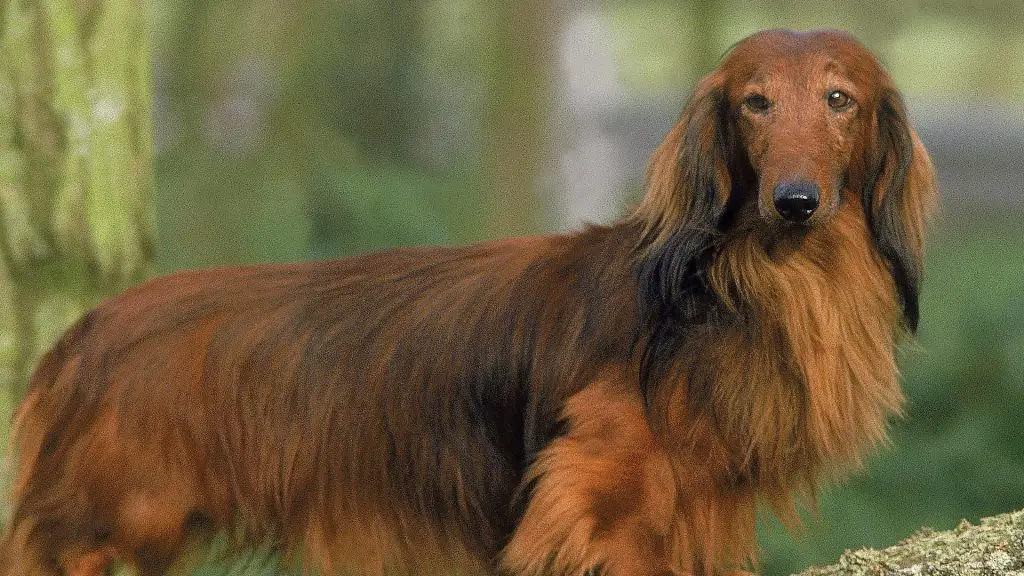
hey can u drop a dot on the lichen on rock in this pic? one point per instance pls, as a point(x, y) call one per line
point(995, 546)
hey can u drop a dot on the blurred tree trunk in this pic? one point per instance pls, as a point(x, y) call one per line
point(75, 167)
point(375, 102)
point(516, 145)
point(708, 23)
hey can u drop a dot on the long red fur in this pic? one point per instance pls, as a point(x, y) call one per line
point(616, 399)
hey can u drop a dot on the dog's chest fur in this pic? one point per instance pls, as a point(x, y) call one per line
point(802, 378)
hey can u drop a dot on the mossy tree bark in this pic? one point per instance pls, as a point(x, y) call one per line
point(75, 167)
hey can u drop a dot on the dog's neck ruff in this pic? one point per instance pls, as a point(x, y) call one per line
point(801, 376)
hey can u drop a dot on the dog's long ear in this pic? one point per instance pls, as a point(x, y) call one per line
point(688, 187)
point(901, 193)
point(688, 179)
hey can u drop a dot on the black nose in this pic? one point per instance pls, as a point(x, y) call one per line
point(796, 200)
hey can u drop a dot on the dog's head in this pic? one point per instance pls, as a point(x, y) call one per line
point(786, 130)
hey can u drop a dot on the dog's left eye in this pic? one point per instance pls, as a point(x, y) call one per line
point(839, 100)
point(757, 103)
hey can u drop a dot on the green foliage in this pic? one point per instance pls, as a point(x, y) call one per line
point(372, 209)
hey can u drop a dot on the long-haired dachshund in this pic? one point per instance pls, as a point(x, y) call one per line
point(615, 400)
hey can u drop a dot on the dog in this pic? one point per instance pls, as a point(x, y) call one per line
point(615, 400)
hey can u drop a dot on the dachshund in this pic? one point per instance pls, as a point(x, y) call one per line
point(616, 400)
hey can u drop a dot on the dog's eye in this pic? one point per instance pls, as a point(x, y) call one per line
point(757, 103)
point(839, 100)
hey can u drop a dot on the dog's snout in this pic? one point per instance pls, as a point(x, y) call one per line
point(796, 200)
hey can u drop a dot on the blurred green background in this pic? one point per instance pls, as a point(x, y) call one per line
point(309, 128)
point(298, 129)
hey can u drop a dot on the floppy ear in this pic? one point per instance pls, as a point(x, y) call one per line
point(688, 187)
point(899, 198)
point(687, 177)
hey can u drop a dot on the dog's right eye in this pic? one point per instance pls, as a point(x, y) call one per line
point(757, 103)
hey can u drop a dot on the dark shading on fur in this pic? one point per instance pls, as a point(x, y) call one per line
point(897, 144)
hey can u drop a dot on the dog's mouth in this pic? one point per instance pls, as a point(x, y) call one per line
point(775, 236)
point(786, 239)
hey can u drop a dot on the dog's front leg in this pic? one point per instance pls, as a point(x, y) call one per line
point(602, 496)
